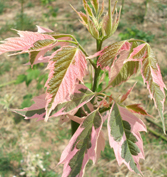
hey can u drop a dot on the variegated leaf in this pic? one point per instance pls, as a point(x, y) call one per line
point(152, 76)
point(37, 110)
point(124, 137)
point(66, 68)
point(95, 4)
point(121, 71)
point(80, 97)
point(87, 8)
point(24, 42)
point(82, 146)
point(110, 22)
point(109, 54)
point(136, 108)
point(124, 97)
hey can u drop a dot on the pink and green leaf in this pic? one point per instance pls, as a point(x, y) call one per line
point(124, 97)
point(152, 76)
point(24, 42)
point(95, 4)
point(37, 110)
point(83, 17)
point(121, 71)
point(87, 8)
point(80, 97)
point(124, 137)
point(82, 146)
point(109, 54)
point(110, 22)
point(136, 108)
point(66, 68)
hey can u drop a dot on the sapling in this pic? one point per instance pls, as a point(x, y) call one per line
point(67, 98)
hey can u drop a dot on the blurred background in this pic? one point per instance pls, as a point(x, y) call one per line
point(29, 148)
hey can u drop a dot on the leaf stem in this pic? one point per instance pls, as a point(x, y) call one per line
point(97, 69)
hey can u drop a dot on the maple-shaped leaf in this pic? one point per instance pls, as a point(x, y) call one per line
point(124, 137)
point(152, 76)
point(37, 110)
point(82, 146)
point(66, 68)
point(136, 108)
point(109, 54)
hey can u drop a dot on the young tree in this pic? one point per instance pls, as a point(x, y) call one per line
point(66, 94)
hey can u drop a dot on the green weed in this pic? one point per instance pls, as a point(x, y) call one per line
point(30, 5)
point(24, 22)
point(53, 11)
point(45, 2)
point(137, 34)
point(5, 28)
point(5, 67)
point(2, 7)
point(108, 153)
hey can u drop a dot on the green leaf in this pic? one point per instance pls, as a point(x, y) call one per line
point(42, 43)
point(21, 78)
point(33, 56)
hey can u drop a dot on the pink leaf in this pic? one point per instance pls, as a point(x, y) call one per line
point(66, 68)
point(80, 97)
point(136, 108)
point(22, 43)
point(110, 53)
point(82, 146)
point(124, 137)
point(100, 145)
point(124, 97)
point(37, 110)
point(43, 30)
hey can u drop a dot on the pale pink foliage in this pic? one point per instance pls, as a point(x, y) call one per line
point(136, 50)
point(125, 47)
point(61, 112)
point(136, 126)
point(100, 145)
point(91, 153)
point(75, 72)
point(124, 97)
point(40, 103)
point(117, 66)
point(157, 78)
point(22, 43)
